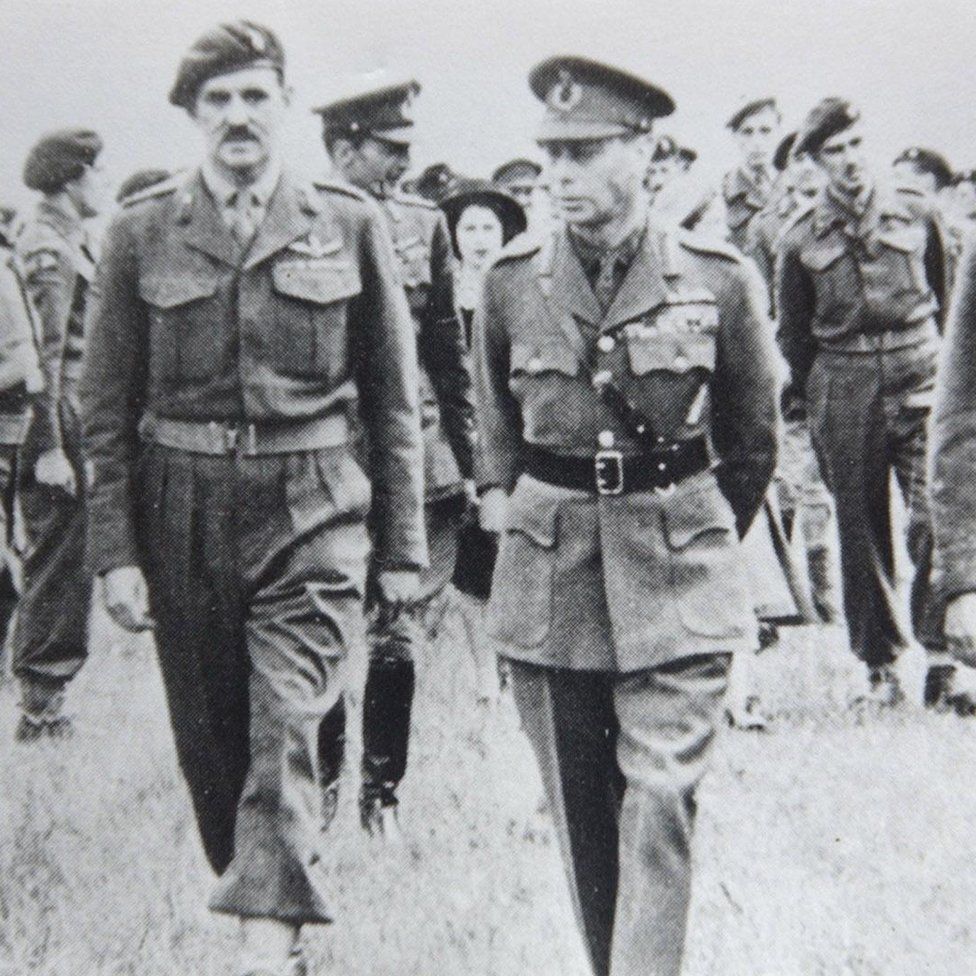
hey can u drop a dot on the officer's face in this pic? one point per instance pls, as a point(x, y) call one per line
point(479, 235)
point(757, 137)
point(377, 164)
point(843, 159)
point(241, 116)
point(91, 192)
point(907, 172)
point(660, 173)
point(596, 181)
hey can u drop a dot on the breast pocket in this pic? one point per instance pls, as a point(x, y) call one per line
point(185, 334)
point(834, 277)
point(901, 258)
point(539, 359)
point(310, 316)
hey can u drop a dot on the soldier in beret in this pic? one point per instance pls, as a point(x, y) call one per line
point(860, 294)
point(368, 138)
point(519, 178)
point(627, 410)
point(925, 168)
point(57, 255)
point(240, 323)
point(746, 189)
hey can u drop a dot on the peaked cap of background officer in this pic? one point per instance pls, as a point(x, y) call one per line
point(516, 171)
point(750, 108)
point(381, 113)
point(825, 120)
point(222, 50)
point(588, 100)
point(435, 182)
point(59, 157)
point(928, 161)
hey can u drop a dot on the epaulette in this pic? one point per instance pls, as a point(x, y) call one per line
point(345, 189)
point(701, 244)
point(412, 200)
point(164, 188)
point(525, 245)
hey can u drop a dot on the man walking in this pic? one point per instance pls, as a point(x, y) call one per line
point(240, 324)
point(627, 404)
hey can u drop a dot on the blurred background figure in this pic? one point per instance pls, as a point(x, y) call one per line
point(58, 256)
point(923, 168)
point(140, 180)
point(678, 197)
point(519, 179)
point(964, 199)
point(434, 182)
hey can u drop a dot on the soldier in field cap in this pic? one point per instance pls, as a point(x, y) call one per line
point(627, 411)
point(241, 321)
point(368, 137)
point(519, 178)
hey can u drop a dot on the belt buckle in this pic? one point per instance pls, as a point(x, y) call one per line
point(608, 467)
point(243, 440)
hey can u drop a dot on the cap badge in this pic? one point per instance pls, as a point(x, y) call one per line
point(257, 41)
point(566, 93)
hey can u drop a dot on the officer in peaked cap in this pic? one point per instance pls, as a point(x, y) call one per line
point(519, 178)
point(627, 413)
point(435, 182)
point(241, 319)
point(747, 188)
point(860, 296)
point(367, 137)
point(57, 255)
point(925, 168)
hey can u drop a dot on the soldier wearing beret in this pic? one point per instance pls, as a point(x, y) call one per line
point(925, 168)
point(243, 326)
point(368, 139)
point(57, 255)
point(627, 409)
point(746, 189)
point(860, 293)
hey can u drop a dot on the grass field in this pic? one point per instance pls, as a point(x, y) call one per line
point(838, 844)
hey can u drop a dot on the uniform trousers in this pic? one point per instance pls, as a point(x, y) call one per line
point(621, 756)
point(395, 635)
point(51, 634)
point(256, 571)
point(868, 418)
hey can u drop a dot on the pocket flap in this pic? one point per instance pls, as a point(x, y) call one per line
point(904, 241)
point(319, 283)
point(533, 515)
point(691, 514)
point(549, 357)
point(821, 258)
point(170, 292)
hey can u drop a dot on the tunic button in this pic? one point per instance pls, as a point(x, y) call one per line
point(535, 364)
point(662, 467)
point(606, 343)
point(681, 361)
point(605, 438)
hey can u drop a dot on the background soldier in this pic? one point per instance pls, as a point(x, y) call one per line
point(243, 316)
point(519, 178)
point(58, 258)
point(368, 140)
point(616, 362)
point(860, 288)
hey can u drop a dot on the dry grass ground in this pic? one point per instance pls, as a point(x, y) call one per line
point(837, 845)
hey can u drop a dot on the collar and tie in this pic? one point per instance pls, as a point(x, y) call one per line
point(242, 208)
point(606, 268)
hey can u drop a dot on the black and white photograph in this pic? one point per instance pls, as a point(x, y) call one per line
point(487, 488)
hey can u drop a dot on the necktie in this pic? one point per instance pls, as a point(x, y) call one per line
point(243, 223)
point(605, 285)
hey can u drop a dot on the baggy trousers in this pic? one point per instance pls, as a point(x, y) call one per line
point(51, 633)
point(868, 418)
point(395, 634)
point(256, 570)
point(620, 757)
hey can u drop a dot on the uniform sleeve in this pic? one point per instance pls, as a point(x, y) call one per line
point(444, 354)
point(49, 275)
point(757, 247)
point(938, 270)
point(745, 416)
point(18, 352)
point(112, 393)
point(795, 300)
point(384, 350)
point(499, 417)
point(952, 443)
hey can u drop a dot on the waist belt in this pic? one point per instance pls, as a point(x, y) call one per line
point(866, 342)
point(609, 472)
point(247, 439)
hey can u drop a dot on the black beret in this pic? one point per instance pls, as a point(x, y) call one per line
point(750, 108)
point(60, 157)
point(223, 49)
point(589, 100)
point(517, 169)
point(826, 119)
point(664, 148)
point(470, 192)
point(141, 180)
point(781, 158)
point(928, 161)
point(382, 113)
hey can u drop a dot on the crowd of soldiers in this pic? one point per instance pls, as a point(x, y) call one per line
point(275, 420)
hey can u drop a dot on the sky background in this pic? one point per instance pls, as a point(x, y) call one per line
point(109, 64)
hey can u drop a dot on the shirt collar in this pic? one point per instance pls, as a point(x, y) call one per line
point(591, 254)
point(223, 190)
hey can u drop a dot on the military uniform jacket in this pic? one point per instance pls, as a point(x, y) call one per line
point(310, 321)
point(743, 200)
point(841, 275)
point(625, 582)
point(423, 248)
point(58, 266)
